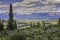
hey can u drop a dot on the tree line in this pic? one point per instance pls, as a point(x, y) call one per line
point(11, 25)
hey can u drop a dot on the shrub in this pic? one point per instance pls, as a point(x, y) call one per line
point(18, 37)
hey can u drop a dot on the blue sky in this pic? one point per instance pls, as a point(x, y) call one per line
point(10, 1)
point(26, 8)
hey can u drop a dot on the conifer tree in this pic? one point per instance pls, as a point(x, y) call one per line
point(43, 23)
point(15, 24)
point(10, 21)
point(31, 24)
point(59, 22)
point(1, 25)
point(38, 24)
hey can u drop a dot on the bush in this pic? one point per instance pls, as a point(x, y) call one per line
point(18, 37)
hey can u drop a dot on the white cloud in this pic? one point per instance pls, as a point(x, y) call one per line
point(29, 7)
point(25, 3)
point(54, 2)
point(57, 0)
point(4, 8)
point(1, 2)
point(37, 9)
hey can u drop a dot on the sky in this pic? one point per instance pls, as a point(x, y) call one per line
point(28, 7)
point(10, 1)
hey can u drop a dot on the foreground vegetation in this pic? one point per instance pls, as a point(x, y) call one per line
point(34, 33)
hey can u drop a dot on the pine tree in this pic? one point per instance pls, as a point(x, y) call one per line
point(10, 21)
point(1, 25)
point(59, 22)
point(15, 24)
point(30, 24)
point(43, 23)
point(38, 24)
point(33, 25)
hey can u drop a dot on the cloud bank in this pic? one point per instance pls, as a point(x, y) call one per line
point(31, 6)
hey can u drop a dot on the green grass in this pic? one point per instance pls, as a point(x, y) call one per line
point(35, 33)
point(38, 33)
